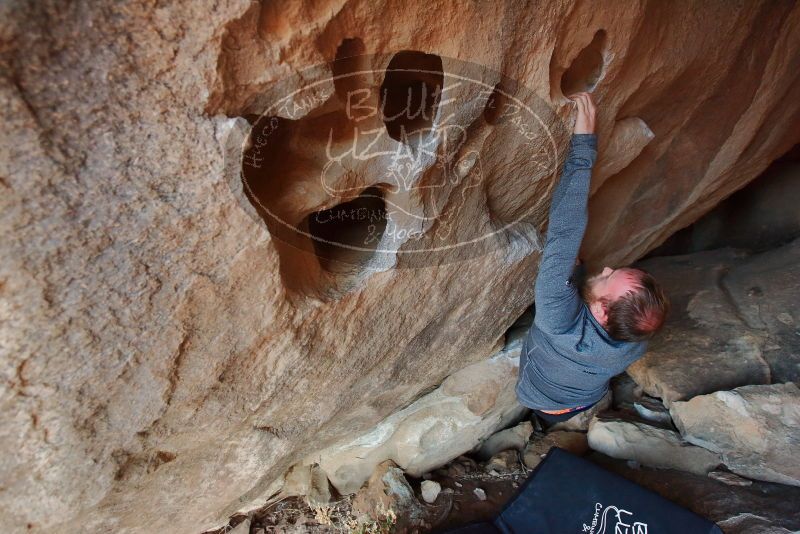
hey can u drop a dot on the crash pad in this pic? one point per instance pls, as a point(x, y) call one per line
point(566, 493)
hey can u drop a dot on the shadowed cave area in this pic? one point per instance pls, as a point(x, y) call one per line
point(410, 93)
point(345, 235)
point(587, 68)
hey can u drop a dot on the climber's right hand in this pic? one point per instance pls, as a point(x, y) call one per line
point(584, 122)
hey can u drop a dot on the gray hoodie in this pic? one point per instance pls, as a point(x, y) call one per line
point(567, 357)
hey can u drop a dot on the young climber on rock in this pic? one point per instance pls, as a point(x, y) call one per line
point(583, 333)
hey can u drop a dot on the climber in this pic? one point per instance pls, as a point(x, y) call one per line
point(584, 331)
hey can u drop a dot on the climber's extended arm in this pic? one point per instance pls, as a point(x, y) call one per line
point(558, 301)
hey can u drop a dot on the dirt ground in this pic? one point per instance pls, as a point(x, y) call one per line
point(457, 504)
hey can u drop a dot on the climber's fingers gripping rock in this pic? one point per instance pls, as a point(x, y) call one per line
point(584, 122)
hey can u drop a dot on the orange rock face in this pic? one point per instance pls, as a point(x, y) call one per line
point(178, 329)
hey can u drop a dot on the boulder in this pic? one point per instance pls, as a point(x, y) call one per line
point(161, 333)
point(751, 524)
point(510, 438)
point(650, 446)
point(733, 322)
point(430, 490)
point(765, 290)
point(756, 429)
point(653, 411)
point(580, 422)
point(538, 446)
point(625, 392)
point(503, 462)
point(627, 140)
point(309, 481)
point(455, 418)
point(241, 528)
point(388, 494)
point(706, 345)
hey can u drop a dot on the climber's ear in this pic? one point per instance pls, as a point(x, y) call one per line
point(599, 309)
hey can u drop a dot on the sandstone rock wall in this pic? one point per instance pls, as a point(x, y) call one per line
point(161, 367)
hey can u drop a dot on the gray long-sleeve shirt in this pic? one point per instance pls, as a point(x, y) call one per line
point(567, 357)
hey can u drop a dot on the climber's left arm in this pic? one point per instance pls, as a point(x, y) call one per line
point(558, 300)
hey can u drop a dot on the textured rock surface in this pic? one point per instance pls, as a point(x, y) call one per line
point(468, 408)
point(650, 446)
point(581, 421)
point(734, 322)
point(387, 491)
point(574, 442)
point(510, 438)
point(761, 216)
point(751, 524)
point(503, 462)
point(430, 490)
point(755, 428)
point(160, 370)
point(705, 346)
point(731, 479)
point(308, 481)
point(653, 410)
point(765, 288)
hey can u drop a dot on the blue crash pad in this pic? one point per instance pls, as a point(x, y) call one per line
point(567, 494)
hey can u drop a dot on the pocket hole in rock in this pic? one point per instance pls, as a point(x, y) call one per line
point(497, 106)
point(346, 235)
point(587, 68)
point(350, 68)
point(324, 253)
point(410, 94)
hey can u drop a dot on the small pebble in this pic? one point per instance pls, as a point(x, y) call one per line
point(430, 490)
point(480, 494)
